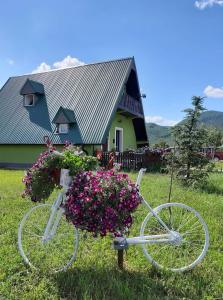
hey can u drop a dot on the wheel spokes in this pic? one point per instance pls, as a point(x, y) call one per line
point(182, 252)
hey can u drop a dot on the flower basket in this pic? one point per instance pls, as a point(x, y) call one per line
point(102, 203)
point(53, 170)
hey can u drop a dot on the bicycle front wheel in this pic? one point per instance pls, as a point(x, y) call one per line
point(191, 244)
point(55, 254)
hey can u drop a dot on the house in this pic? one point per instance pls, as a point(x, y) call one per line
point(97, 106)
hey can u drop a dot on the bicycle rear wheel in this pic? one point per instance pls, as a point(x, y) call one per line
point(192, 241)
point(55, 254)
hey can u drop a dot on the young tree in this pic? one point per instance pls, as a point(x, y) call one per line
point(190, 163)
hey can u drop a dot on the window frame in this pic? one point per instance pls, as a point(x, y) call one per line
point(33, 99)
point(59, 128)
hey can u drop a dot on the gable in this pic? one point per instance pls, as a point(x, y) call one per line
point(64, 116)
point(32, 87)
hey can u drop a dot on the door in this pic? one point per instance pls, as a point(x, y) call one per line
point(119, 139)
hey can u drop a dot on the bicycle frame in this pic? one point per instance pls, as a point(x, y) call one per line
point(170, 236)
point(57, 212)
point(54, 219)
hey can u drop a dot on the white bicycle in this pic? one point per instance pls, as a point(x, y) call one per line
point(173, 236)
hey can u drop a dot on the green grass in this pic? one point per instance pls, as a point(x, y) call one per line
point(95, 274)
point(218, 165)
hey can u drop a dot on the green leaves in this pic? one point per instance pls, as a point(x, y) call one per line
point(76, 163)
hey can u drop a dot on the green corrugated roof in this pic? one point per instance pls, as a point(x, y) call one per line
point(92, 91)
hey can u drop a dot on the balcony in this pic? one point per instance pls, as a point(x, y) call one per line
point(130, 106)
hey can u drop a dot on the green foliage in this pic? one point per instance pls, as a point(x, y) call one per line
point(75, 160)
point(161, 144)
point(95, 274)
point(214, 137)
point(190, 164)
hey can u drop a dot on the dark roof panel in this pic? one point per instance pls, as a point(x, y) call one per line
point(32, 87)
point(64, 116)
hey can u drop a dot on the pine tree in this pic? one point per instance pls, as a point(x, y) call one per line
point(190, 164)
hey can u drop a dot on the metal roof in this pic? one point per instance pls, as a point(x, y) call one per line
point(92, 91)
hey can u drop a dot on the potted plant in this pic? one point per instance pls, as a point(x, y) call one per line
point(45, 174)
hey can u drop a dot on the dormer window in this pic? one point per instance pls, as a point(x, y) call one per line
point(64, 120)
point(31, 91)
point(29, 100)
point(62, 128)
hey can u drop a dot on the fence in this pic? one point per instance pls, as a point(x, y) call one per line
point(152, 161)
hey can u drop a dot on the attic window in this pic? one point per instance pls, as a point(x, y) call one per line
point(62, 128)
point(29, 100)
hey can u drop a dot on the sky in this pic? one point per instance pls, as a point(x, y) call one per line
point(177, 45)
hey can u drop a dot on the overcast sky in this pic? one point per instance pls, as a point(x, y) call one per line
point(177, 45)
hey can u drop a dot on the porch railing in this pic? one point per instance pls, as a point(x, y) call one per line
point(131, 105)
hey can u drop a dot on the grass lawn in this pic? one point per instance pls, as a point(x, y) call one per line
point(95, 274)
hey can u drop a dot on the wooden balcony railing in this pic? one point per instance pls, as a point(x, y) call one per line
point(131, 105)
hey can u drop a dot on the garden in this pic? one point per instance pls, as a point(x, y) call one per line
point(95, 274)
point(103, 205)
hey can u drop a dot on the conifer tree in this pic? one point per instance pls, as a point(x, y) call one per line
point(190, 164)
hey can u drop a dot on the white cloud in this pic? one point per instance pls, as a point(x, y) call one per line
point(160, 121)
point(202, 4)
point(67, 62)
point(213, 92)
point(11, 62)
point(43, 67)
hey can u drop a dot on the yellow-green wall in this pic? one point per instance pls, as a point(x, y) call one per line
point(20, 153)
point(129, 138)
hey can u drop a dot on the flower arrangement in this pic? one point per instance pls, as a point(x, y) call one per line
point(102, 203)
point(43, 177)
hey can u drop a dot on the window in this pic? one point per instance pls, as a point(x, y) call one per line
point(62, 128)
point(29, 100)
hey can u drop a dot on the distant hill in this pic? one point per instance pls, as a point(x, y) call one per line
point(212, 118)
point(157, 133)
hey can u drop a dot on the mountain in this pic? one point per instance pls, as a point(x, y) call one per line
point(157, 133)
point(212, 118)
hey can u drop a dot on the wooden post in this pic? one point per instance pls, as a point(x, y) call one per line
point(120, 259)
